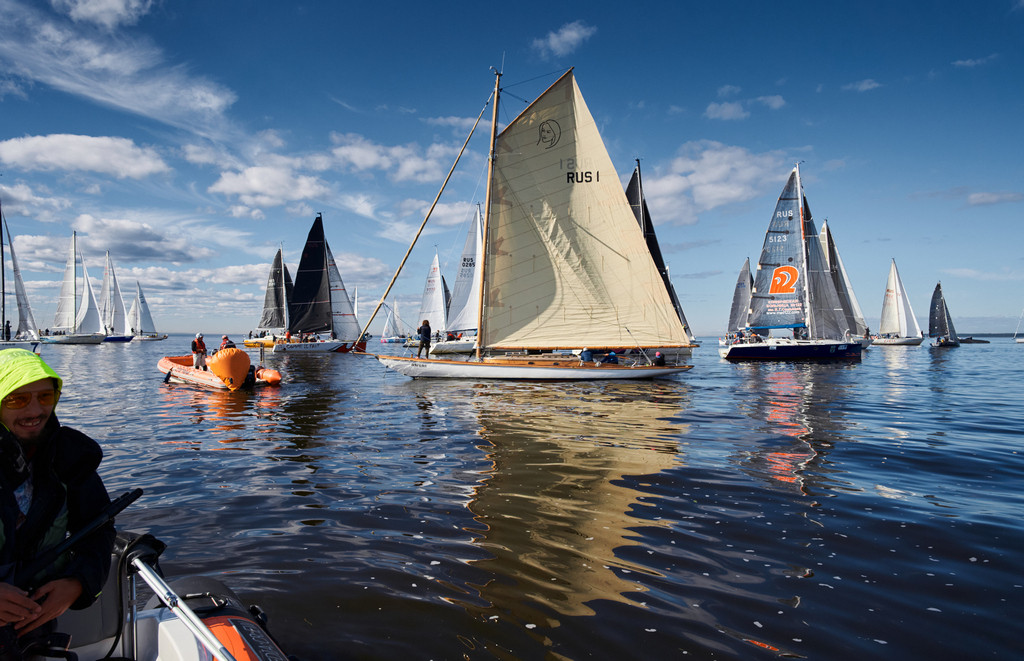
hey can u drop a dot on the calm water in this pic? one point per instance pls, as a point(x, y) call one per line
point(871, 510)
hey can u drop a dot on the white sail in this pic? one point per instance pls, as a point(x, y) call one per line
point(392, 324)
point(111, 305)
point(465, 304)
point(897, 314)
point(27, 329)
point(140, 319)
point(67, 301)
point(343, 316)
point(741, 299)
point(88, 322)
point(434, 304)
point(565, 262)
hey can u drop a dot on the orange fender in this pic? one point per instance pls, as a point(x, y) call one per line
point(272, 377)
point(231, 365)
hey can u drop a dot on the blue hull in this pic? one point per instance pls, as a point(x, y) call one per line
point(792, 350)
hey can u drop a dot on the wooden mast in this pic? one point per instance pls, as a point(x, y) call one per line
point(487, 218)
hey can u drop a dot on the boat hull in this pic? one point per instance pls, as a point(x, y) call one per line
point(90, 338)
point(786, 349)
point(150, 338)
point(179, 370)
point(309, 347)
point(898, 341)
point(118, 338)
point(569, 369)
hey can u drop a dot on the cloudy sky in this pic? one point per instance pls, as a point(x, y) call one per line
point(192, 139)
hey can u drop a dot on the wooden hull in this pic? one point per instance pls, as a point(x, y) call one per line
point(567, 369)
point(787, 349)
point(898, 341)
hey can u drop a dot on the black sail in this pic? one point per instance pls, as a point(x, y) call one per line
point(309, 309)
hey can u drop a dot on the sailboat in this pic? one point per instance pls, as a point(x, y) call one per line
point(140, 319)
point(434, 304)
point(393, 333)
point(77, 320)
point(464, 308)
point(564, 263)
point(274, 319)
point(844, 289)
point(112, 314)
point(26, 333)
point(638, 203)
point(793, 289)
point(898, 325)
point(940, 323)
point(319, 302)
point(1018, 340)
point(740, 304)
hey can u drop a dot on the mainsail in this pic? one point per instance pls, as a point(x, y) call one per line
point(344, 324)
point(140, 319)
point(841, 281)
point(77, 314)
point(565, 263)
point(279, 291)
point(741, 299)
point(465, 304)
point(111, 305)
point(638, 203)
point(897, 315)
point(793, 286)
point(319, 302)
point(940, 323)
point(434, 305)
point(27, 329)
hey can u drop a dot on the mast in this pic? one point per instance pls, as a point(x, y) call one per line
point(74, 278)
point(808, 308)
point(3, 282)
point(487, 216)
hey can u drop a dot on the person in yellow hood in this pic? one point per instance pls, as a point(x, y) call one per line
point(49, 488)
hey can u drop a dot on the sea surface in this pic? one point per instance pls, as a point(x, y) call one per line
point(870, 510)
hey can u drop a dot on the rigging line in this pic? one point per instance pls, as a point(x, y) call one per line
point(391, 284)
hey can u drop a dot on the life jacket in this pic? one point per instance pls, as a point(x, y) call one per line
point(198, 346)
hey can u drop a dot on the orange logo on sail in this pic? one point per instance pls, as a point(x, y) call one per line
point(784, 280)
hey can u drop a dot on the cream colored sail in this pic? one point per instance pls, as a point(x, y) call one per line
point(566, 264)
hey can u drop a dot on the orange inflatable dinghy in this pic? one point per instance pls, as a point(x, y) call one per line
point(231, 365)
point(272, 377)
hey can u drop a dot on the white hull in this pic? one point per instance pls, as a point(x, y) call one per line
point(1019, 340)
point(568, 370)
point(91, 338)
point(453, 347)
point(308, 347)
point(898, 341)
point(150, 338)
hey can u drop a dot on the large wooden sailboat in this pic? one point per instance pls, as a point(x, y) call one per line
point(77, 320)
point(320, 314)
point(565, 264)
point(940, 323)
point(898, 326)
point(793, 290)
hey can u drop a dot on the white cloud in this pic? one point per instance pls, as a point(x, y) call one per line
point(976, 62)
point(566, 40)
point(728, 110)
point(108, 13)
point(707, 175)
point(974, 274)
point(862, 85)
point(115, 156)
point(263, 186)
point(728, 90)
point(982, 199)
point(401, 162)
point(775, 101)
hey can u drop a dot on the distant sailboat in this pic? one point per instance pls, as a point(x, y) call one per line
point(393, 333)
point(1019, 340)
point(740, 303)
point(319, 302)
point(898, 325)
point(78, 319)
point(841, 281)
point(112, 313)
point(27, 333)
point(464, 308)
point(793, 290)
point(564, 264)
point(274, 318)
point(638, 203)
point(140, 319)
point(940, 323)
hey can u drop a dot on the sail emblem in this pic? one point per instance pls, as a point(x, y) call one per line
point(784, 280)
point(548, 133)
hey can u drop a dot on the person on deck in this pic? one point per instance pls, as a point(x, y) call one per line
point(659, 360)
point(586, 356)
point(49, 489)
point(611, 358)
point(226, 343)
point(199, 353)
point(424, 333)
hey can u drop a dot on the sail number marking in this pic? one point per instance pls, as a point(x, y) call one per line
point(573, 176)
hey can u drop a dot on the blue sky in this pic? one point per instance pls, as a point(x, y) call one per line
point(193, 138)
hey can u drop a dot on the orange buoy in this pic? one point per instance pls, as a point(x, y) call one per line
point(231, 365)
point(272, 377)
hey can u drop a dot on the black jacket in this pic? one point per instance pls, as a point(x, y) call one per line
point(65, 481)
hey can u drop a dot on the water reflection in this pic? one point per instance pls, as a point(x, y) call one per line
point(555, 507)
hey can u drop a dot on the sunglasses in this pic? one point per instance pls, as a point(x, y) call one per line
point(22, 399)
